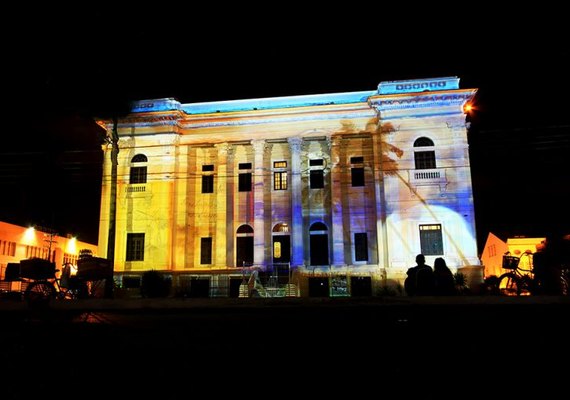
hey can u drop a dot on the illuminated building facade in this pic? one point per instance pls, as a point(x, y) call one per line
point(346, 185)
point(495, 248)
point(18, 243)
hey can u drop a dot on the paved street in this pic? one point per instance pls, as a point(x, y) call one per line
point(318, 347)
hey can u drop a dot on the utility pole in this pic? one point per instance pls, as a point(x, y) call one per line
point(112, 207)
point(49, 238)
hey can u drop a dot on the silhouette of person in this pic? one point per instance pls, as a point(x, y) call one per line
point(420, 279)
point(444, 281)
point(546, 268)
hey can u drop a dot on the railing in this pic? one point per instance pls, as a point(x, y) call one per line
point(425, 177)
point(273, 280)
point(136, 189)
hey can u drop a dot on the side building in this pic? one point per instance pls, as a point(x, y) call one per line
point(336, 193)
point(18, 243)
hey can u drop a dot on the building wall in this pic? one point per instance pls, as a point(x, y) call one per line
point(495, 248)
point(447, 200)
point(19, 243)
point(372, 132)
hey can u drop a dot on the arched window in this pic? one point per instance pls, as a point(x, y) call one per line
point(424, 153)
point(319, 244)
point(244, 229)
point(423, 142)
point(139, 158)
point(244, 246)
point(283, 228)
point(138, 171)
point(318, 226)
point(281, 243)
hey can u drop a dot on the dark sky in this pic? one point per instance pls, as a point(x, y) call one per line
point(67, 65)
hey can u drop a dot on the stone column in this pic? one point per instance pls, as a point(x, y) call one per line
point(338, 241)
point(380, 197)
point(297, 230)
point(230, 193)
point(220, 240)
point(259, 172)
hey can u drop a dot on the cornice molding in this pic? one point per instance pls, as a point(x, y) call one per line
point(451, 98)
point(184, 121)
point(191, 123)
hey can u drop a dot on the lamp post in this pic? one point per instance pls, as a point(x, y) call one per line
point(114, 139)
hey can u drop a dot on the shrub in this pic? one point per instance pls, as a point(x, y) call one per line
point(154, 284)
point(460, 283)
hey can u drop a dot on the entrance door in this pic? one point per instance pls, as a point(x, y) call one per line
point(281, 249)
point(244, 253)
point(318, 287)
point(319, 249)
point(360, 286)
point(234, 286)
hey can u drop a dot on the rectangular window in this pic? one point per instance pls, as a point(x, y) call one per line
point(357, 175)
point(280, 180)
point(209, 167)
point(244, 182)
point(356, 160)
point(360, 247)
point(207, 183)
point(317, 179)
point(431, 240)
point(425, 159)
point(315, 163)
point(279, 164)
point(138, 175)
point(135, 247)
point(206, 250)
point(8, 248)
point(246, 165)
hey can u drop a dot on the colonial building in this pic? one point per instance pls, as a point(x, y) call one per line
point(343, 189)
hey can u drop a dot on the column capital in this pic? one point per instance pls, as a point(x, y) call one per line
point(328, 140)
point(259, 145)
point(335, 140)
point(295, 143)
point(224, 149)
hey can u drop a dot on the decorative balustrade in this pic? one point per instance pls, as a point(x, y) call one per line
point(428, 177)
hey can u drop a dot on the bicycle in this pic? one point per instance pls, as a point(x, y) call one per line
point(519, 281)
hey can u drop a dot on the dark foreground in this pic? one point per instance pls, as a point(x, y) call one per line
point(315, 349)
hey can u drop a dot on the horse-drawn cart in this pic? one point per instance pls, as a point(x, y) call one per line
point(43, 284)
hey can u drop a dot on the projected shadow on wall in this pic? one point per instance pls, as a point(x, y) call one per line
point(388, 164)
point(362, 162)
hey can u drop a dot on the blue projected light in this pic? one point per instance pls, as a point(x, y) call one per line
point(170, 104)
point(277, 102)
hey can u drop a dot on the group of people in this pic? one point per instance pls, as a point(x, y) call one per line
point(422, 280)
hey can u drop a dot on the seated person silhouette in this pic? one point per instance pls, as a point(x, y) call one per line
point(420, 280)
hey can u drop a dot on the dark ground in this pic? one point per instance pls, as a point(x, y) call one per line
point(337, 349)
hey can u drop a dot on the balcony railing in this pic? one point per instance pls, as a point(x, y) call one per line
point(136, 188)
point(428, 177)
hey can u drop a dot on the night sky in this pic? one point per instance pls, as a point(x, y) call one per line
point(65, 67)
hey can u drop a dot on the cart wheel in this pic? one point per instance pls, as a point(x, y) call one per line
point(39, 294)
point(513, 285)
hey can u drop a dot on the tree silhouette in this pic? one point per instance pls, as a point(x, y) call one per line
point(98, 94)
point(389, 165)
